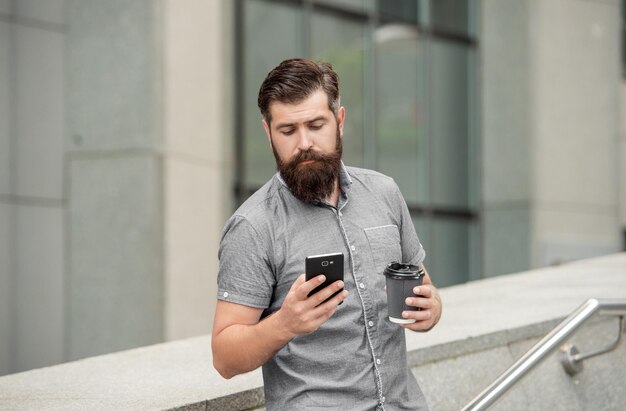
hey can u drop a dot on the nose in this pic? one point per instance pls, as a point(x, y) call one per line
point(305, 141)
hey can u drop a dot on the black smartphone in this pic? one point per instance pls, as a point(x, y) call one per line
point(331, 265)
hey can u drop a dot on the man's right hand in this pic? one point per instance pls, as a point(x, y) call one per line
point(300, 314)
point(242, 342)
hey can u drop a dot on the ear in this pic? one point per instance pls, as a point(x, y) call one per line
point(341, 117)
point(266, 127)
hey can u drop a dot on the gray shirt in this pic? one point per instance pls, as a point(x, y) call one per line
point(357, 359)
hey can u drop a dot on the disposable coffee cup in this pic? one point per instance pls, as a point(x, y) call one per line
point(401, 279)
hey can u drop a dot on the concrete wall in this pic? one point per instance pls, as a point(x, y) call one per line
point(622, 151)
point(506, 145)
point(550, 90)
point(115, 169)
point(112, 174)
point(575, 129)
point(32, 127)
point(146, 166)
point(545, 387)
point(197, 165)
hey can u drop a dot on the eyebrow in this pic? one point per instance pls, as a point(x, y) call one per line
point(286, 125)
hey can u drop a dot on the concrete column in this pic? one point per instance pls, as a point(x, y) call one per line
point(622, 178)
point(194, 161)
point(6, 177)
point(550, 131)
point(115, 176)
point(576, 86)
point(32, 125)
point(145, 168)
point(506, 141)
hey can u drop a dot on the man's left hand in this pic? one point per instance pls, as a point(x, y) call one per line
point(427, 299)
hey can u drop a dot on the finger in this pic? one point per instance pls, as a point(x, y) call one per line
point(305, 287)
point(420, 325)
point(418, 316)
point(326, 292)
point(419, 302)
point(423, 290)
point(327, 308)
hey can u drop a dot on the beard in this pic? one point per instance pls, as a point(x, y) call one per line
point(312, 181)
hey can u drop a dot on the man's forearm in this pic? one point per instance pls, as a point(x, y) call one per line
point(240, 348)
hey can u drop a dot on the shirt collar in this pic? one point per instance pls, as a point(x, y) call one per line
point(345, 181)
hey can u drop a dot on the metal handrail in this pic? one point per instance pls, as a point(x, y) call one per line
point(615, 307)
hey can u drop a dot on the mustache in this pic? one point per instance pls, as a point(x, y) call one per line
point(310, 154)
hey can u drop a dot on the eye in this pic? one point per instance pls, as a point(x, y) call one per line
point(316, 126)
point(288, 131)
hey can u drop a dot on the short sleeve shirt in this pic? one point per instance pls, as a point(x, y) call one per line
point(357, 359)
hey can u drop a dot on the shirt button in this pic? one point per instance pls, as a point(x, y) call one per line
point(371, 323)
point(225, 295)
point(362, 285)
point(378, 361)
point(353, 248)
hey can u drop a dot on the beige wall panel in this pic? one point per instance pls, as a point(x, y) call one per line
point(6, 289)
point(569, 234)
point(114, 70)
point(575, 100)
point(5, 6)
point(39, 287)
point(195, 136)
point(51, 11)
point(6, 99)
point(193, 78)
point(40, 112)
point(116, 254)
point(193, 222)
point(622, 162)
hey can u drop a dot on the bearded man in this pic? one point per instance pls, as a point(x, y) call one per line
point(314, 352)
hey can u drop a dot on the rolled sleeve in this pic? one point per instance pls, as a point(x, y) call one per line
point(245, 275)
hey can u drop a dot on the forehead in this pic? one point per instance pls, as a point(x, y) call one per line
point(312, 106)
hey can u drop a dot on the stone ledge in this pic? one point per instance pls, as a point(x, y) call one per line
point(478, 317)
point(422, 356)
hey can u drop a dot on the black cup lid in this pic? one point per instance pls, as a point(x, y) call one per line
point(403, 270)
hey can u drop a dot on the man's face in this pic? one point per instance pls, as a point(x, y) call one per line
point(306, 141)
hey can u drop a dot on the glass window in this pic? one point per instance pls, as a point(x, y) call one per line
point(266, 45)
point(449, 251)
point(405, 11)
point(358, 5)
point(405, 68)
point(422, 228)
point(449, 124)
point(401, 150)
point(450, 15)
point(341, 43)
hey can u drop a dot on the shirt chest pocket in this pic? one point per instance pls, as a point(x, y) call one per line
point(384, 242)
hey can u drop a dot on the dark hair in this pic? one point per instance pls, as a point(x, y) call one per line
point(293, 80)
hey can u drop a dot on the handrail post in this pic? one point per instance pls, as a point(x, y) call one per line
point(540, 350)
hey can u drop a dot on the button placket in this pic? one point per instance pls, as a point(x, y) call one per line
point(368, 307)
